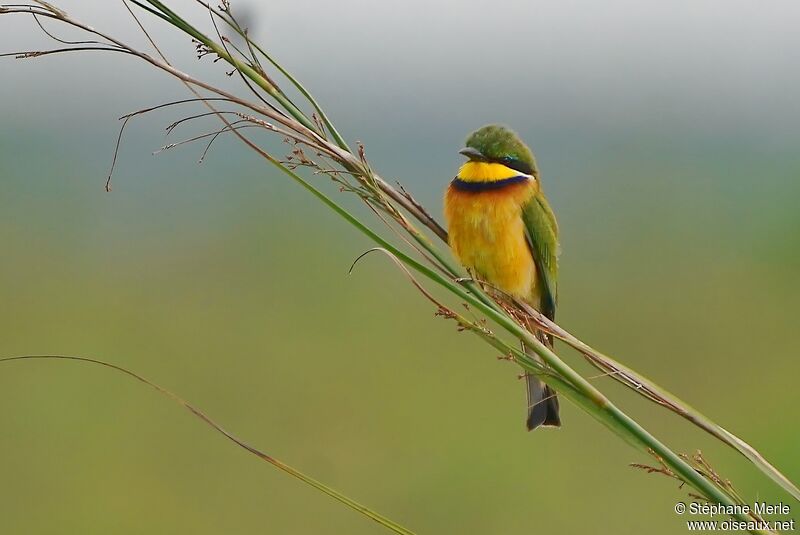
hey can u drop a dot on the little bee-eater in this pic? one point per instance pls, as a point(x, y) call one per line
point(502, 229)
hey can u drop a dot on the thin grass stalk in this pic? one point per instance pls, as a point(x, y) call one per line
point(348, 159)
point(242, 67)
point(308, 480)
point(232, 24)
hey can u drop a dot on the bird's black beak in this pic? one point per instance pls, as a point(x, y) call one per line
point(472, 154)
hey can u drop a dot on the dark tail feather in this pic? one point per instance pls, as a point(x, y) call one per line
point(542, 400)
point(542, 404)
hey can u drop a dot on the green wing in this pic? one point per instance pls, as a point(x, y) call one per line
point(542, 231)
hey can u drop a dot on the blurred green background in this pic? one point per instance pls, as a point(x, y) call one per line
point(667, 134)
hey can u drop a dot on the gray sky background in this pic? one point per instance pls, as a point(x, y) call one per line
point(697, 65)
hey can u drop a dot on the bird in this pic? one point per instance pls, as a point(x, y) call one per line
point(502, 229)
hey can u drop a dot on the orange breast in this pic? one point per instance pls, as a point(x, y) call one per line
point(487, 235)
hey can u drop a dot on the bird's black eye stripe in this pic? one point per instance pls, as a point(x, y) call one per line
point(516, 165)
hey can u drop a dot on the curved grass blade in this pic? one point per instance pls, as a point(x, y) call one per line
point(377, 517)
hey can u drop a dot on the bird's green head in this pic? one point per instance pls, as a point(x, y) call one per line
point(500, 145)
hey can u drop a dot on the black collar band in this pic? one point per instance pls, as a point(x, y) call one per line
point(464, 185)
